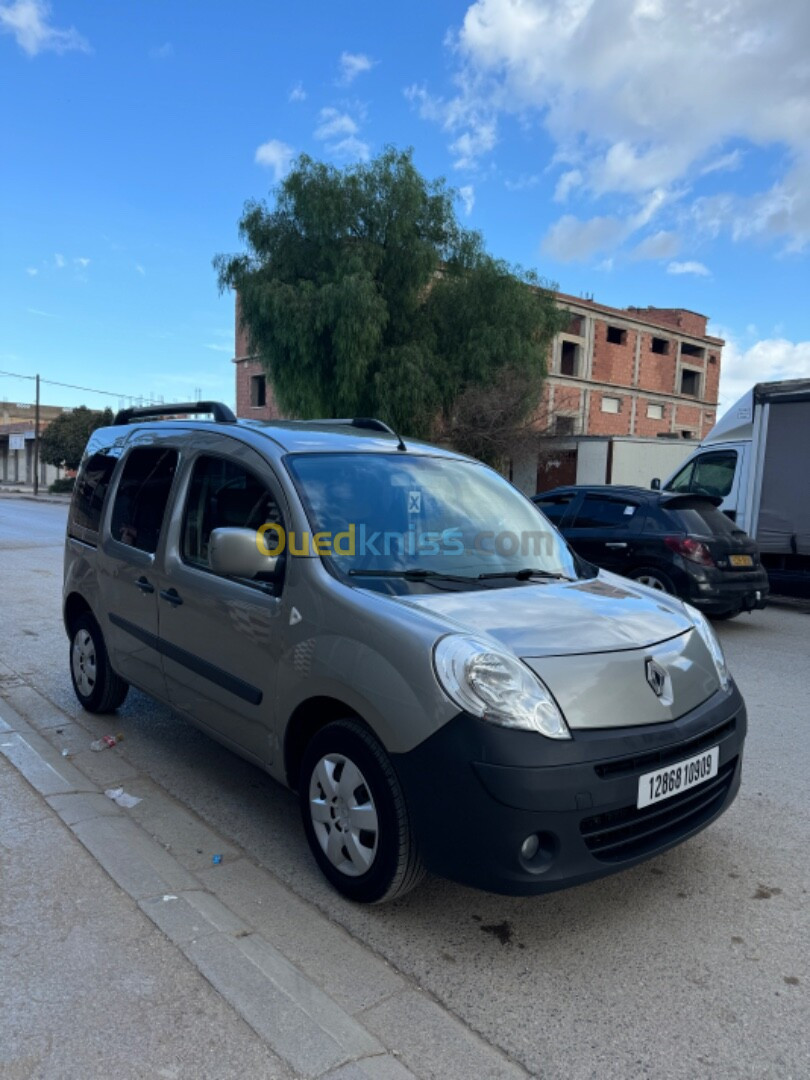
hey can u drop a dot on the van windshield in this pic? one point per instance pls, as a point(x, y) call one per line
point(429, 515)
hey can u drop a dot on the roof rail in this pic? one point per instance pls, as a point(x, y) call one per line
point(221, 413)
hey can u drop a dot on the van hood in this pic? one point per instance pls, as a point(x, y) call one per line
point(560, 618)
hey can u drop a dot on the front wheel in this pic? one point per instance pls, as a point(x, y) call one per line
point(355, 816)
point(95, 684)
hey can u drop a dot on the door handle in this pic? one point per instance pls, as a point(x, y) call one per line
point(172, 595)
point(144, 585)
point(616, 545)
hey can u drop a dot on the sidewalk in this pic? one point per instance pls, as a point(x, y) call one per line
point(125, 953)
point(88, 986)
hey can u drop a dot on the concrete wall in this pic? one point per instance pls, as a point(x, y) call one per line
point(636, 462)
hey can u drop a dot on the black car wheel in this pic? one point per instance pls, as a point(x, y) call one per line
point(96, 685)
point(653, 579)
point(355, 816)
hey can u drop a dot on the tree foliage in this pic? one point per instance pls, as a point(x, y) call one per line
point(363, 296)
point(64, 439)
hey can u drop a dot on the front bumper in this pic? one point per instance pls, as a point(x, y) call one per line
point(476, 791)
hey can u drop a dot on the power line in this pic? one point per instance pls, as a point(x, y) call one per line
point(71, 386)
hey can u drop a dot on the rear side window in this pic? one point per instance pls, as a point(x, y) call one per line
point(142, 495)
point(599, 512)
point(700, 519)
point(92, 485)
point(554, 507)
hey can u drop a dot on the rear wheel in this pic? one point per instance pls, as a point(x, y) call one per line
point(95, 684)
point(653, 579)
point(355, 816)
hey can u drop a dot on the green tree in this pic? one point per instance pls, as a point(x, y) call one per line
point(363, 296)
point(64, 439)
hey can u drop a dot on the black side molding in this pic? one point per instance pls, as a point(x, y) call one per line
point(234, 685)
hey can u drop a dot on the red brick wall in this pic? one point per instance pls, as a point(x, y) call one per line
point(657, 371)
point(602, 423)
point(613, 364)
point(246, 411)
point(647, 426)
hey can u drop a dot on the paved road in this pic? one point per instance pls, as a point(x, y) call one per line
point(694, 964)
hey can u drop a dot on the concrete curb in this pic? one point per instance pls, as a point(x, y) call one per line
point(321, 1001)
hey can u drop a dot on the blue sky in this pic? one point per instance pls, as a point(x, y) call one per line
point(643, 151)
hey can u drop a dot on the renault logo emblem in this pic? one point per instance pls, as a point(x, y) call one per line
point(656, 676)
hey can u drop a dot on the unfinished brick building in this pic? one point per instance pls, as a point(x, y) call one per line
point(635, 372)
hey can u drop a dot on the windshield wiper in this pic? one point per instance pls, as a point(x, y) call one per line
point(525, 575)
point(413, 574)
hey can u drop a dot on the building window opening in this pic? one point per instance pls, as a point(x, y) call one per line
point(564, 425)
point(687, 434)
point(660, 345)
point(712, 358)
point(611, 404)
point(569, 358)
point(692, 350)
point(690, 382)
point(258, 391)
point(655, 412)
point(616, 336)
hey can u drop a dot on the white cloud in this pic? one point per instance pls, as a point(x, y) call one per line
point(725, 163)
point(566, 184)
point(59, 261)
point(352, 65)
point(339, 132)
point(332, 123)
point(298, 93)
point(471, 144)
point(467, 196)
point(571, 239)
point(31, 271)
point(162, 52)
point(275, 155)
point(140, 270)
point(770, 359)
point(28, 21)
point(640, 95)
point(220, 348)
point(43, 314)
point(81, 262)
point(689, 267)
point(659, 245)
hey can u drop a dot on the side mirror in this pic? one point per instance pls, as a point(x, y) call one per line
point(233, 553)
point(655, 484)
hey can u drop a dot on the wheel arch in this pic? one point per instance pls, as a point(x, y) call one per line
point(307, 719)
point(74, 606)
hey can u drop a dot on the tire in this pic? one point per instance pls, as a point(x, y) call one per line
point(95, 684)
point(654, 579)
point(724, 616)
point(369, 856)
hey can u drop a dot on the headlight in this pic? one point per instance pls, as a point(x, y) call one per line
point(710, 640)
point(493, 684)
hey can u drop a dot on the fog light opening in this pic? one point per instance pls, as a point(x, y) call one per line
point(538, 851)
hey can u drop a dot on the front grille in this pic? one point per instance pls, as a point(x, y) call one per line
point(629, 832)
point(667, 755)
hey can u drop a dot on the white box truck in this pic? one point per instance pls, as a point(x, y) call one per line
point(757, 459)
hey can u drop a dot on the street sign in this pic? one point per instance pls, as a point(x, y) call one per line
point(16, 442)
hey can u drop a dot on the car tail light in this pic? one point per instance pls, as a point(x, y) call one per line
point(690, 549)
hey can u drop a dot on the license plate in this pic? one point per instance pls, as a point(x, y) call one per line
point(672, 780)
point(741, 560)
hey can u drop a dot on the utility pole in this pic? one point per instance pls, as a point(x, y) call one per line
point(36, 442)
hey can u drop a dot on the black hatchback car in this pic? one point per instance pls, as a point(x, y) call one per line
point(681, 544)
